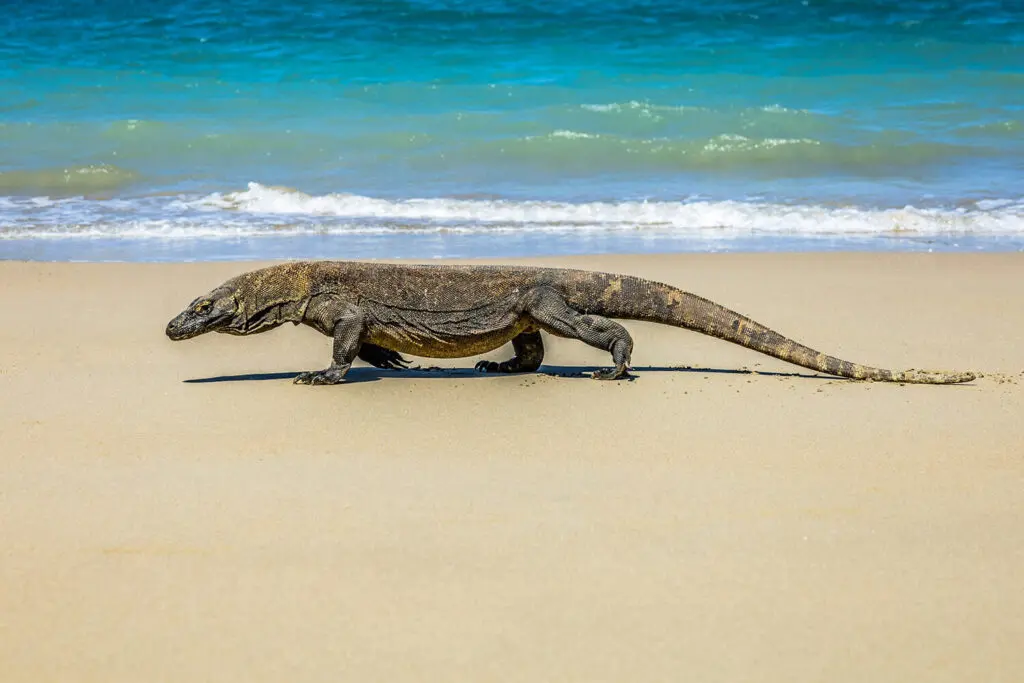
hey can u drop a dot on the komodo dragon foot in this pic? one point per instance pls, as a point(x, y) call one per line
point(529, 350)
point(377, 356)
point(613, 373)
point(382, 358)
point(331, 375)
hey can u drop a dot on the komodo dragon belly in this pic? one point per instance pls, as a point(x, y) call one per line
point(444, 334)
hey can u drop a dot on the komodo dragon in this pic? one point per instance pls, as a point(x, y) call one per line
point(376, 312)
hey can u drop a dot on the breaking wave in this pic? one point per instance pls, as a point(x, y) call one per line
point(264, 210)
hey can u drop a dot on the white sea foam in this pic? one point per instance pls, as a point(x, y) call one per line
point(738, 143)
point(648, 109)
point(567, 134)
point(635, 105)
point(779, 109)
point(264, 210)
point(572, 135)
point(1003, 216)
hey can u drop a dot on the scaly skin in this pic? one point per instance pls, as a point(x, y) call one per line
point(376, 312)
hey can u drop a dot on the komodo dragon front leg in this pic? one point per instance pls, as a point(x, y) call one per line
point(349, 331)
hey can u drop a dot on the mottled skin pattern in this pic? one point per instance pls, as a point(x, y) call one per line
point(376, 312)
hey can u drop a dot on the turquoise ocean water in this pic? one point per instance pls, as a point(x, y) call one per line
point(423, 128)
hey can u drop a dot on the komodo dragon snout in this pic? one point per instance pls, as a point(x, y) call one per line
point(208, 313)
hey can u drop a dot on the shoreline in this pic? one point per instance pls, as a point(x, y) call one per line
point(178, 511)
point(423, 247)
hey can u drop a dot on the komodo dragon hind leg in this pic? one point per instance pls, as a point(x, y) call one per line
point(553, 314)
point(379, 357)
point(529, 350)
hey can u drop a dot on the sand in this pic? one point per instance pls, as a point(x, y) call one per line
point(182, 512)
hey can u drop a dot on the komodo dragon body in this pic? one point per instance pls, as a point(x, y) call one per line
point(376, 312)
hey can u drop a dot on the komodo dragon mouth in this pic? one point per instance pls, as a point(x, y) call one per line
point(206, 314)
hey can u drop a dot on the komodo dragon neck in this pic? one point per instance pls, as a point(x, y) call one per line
point(271, 297)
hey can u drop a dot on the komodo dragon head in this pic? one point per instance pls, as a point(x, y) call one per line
point(216, 311)
point(248, 304)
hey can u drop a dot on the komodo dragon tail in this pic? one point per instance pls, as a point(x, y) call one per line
point(633, 298)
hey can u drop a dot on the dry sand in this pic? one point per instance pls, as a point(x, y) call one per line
point(693, 525)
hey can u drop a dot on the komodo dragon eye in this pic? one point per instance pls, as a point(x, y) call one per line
point(203, 306)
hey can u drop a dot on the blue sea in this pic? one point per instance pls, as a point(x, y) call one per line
point(188, 130)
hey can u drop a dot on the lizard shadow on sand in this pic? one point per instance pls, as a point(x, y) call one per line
point(369, 374)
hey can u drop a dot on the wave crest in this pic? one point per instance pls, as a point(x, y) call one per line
point(987, 216)
point(262, 210)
